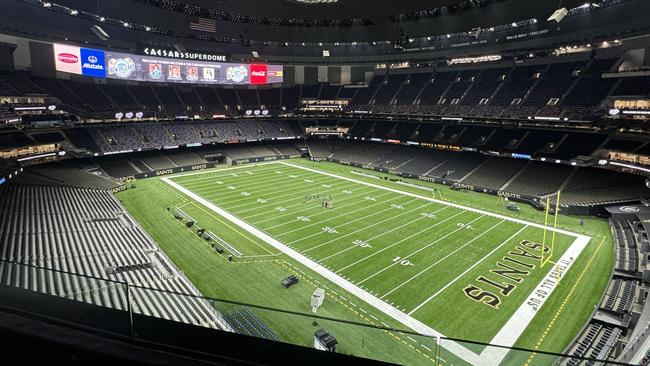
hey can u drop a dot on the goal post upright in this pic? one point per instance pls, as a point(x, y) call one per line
point(549, 257)
point(546, 209)
point(557, 213)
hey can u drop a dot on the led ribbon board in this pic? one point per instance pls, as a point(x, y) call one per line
point(131, 67)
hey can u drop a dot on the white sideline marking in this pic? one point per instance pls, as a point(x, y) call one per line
point(380, 305)
point(467, 270)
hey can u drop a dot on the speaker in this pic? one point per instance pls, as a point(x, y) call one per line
point(100, 33)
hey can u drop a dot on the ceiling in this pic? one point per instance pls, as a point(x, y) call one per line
point(340, 9)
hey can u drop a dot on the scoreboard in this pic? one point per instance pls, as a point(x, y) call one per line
point(126, 66)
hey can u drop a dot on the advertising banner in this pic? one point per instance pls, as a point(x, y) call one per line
point(67, 59)
point(125, 66)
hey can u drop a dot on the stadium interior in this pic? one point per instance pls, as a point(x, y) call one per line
point(160, 160)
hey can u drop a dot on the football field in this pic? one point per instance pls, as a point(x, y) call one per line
point(436, 267)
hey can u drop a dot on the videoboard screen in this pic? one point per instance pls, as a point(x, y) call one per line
point(124, 66)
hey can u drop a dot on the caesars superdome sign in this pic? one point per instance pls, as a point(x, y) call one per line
point(184, 55)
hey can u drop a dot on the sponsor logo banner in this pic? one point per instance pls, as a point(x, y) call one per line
point(67, 58)
point(258, 74)
point(93, 63)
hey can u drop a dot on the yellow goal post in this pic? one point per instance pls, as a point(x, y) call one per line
point(552, 202)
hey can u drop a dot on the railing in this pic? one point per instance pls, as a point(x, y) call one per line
point(120, 307)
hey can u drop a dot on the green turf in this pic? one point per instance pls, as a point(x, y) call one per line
point(373, 228)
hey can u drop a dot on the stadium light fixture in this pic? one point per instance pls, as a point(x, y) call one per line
point(129, 115)
point(326, 53)
point(100, 32)
point(139, 115)
point(47, 5)
point(558, 15)
point(119, 115)
point(74, 12)
point(255, 54)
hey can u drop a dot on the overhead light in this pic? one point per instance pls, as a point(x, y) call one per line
point(514, 24)
point(147, 29)
point(74, 12)
point(102, 19)
point(180, 48)
point(47, 5)
point(326, 53)
point(558, 15)
point(100, 32)
point(255, 54)
point(126, 25)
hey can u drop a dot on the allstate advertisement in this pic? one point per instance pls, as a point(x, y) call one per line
point(80, 61)
point(124, 66)
point(93, 63)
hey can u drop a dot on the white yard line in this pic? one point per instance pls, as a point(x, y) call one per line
point(446, 203)
point(216, 170)
point(345, 198)
point(363, 228)
point(243, 181)
point(380, 235)
point(321, 222)
point(466, 271)
point(442, 259)
point(419, 250)
point(210, 179)
point(402, 240)
point(300, 199)
point(267, 193)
